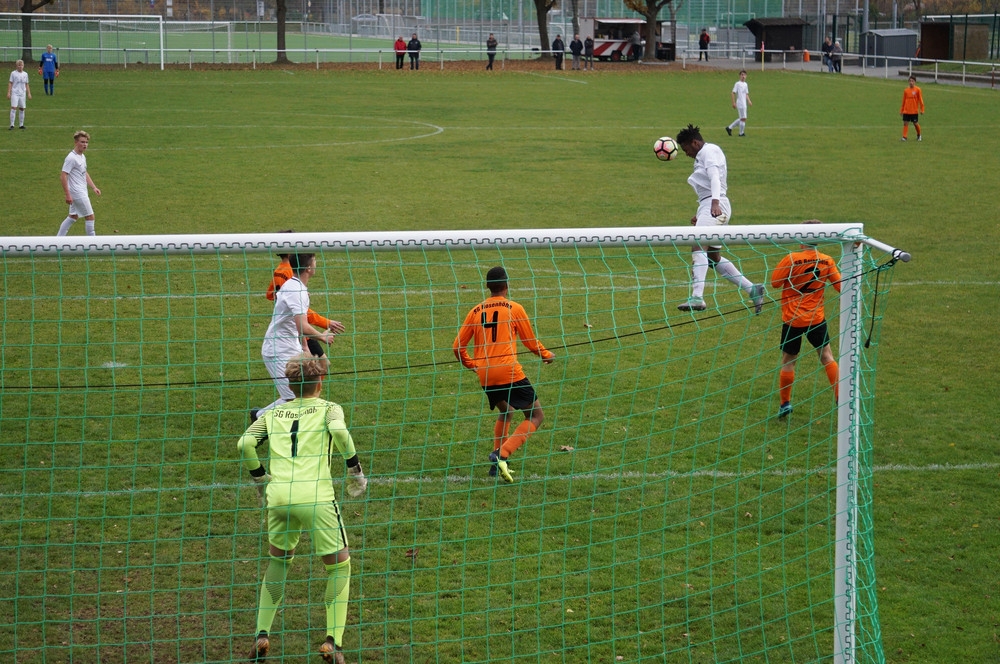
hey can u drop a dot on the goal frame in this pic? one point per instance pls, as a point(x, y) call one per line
point(100, 19)
point(851, 236)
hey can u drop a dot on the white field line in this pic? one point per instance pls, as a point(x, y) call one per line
point(631, 477)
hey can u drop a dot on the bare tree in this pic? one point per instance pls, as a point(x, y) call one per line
point(650, 9)
point(282, 13)
point(27, 7)
point(542, 9)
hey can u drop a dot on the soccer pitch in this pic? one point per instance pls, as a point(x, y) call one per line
point(253, 151)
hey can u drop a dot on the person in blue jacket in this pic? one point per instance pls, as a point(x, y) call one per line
point(50, 69)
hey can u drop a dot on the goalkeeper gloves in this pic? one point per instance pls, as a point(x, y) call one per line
point(356, 481)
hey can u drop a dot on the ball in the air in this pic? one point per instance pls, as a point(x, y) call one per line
point(665, 149)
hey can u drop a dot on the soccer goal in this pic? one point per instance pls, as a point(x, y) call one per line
point(88, 38)
point(662, 512)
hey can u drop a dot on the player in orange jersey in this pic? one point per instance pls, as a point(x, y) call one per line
point(912, 108)
point(282, 273)
point(493, 326)
point(801, 276)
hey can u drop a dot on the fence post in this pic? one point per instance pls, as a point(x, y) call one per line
point(125, 57)
point(317, 59)
point(190, 59)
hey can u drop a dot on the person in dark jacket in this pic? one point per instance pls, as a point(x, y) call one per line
point(576, 48)
point(413, 48)
point(558, 50)
point(703, 41)
point(588, 53)
point(491, 50)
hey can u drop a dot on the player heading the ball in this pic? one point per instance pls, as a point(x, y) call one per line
point(493, 326)
point(709, 181)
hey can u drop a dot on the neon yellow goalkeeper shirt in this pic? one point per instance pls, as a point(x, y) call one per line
point(303, 435)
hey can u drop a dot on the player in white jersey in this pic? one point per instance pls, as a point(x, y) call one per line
point(741, 99)
point(709, 181)
point(75, 180)
point(18, 91)
point(290, 328)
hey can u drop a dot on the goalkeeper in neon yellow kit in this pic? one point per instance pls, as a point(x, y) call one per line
point(304, 435)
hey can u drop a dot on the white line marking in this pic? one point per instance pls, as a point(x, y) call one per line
point(482, 479)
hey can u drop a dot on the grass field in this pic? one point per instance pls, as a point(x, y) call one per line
point(239, 151)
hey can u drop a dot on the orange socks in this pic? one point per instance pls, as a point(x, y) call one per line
point(785, 380)
point(518, 438)
point(500, 429)
point(832, 372)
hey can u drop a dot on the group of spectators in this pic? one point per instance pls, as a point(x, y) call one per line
point(412, 48)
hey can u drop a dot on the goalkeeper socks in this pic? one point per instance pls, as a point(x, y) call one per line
point(726, 268)
point(66, 225)
point(518, 438)
point(272, 591)
point(832, 372)
point(500, 429)
point(785, 380)
point(338, 591)
point(699, 269)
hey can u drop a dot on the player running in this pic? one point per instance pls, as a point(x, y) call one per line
point(494, 326)
point(299, 496)
point(802, 276)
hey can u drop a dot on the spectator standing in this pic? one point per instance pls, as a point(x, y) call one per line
point(491, 50)
point(837, 56)
point(703, 41)
point(576, 48)
point(636, 41)
point(413, 48)
point(558, 49)
point(400, 49)
point(828, 54)
point(588, 53)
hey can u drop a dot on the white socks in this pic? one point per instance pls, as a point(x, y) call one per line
point(68, 223)
point(699, 270)
point(725, 267)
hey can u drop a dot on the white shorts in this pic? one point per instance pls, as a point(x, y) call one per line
point(705, 217)
point(276, 367)
point(17, 100)
point(742, 110)
point(81, 207)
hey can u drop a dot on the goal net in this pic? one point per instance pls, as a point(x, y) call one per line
point(662, 512)
point(87, 38)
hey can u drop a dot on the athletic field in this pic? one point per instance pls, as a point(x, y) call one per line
point(529, 147)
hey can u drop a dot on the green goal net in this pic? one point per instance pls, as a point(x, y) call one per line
point(661, 513)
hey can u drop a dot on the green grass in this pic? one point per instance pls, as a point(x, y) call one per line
point(133, 490)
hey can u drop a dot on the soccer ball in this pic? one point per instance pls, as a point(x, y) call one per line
point(665, 149)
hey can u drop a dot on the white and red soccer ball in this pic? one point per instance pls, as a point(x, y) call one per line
point(665, 149)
